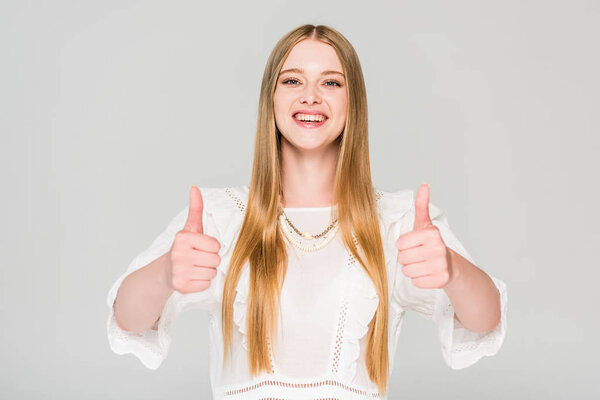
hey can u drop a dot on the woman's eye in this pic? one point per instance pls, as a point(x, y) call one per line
point(292, 81)
point(335, 83)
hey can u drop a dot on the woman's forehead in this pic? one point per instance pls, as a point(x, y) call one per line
point(312, 56)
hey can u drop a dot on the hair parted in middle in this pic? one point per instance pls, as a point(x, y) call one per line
point(260, 241)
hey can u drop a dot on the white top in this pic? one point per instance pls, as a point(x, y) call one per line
point(327, 302)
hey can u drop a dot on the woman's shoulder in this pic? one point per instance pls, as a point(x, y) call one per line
point(400, 204)
point(395, 194)
point(218, 200)
point(224, 208)
point(394, 204)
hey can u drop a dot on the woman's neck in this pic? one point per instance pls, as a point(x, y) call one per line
point(307, 177)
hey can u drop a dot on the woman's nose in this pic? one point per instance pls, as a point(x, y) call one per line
point(310, 95)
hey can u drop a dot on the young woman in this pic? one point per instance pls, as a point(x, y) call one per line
point(307, 272)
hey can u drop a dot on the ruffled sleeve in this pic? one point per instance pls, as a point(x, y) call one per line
point(460, 347)
point(151, 347)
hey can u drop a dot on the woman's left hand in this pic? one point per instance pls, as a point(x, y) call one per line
point(422, 252)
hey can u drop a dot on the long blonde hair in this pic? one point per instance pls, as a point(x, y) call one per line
point(260, 240)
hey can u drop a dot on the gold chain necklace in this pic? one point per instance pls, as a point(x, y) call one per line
point(308, 235)
point(328, 233)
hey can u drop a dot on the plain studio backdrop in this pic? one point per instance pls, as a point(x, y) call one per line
point(111, 110)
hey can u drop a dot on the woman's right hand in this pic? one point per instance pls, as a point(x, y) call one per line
point(192, 260)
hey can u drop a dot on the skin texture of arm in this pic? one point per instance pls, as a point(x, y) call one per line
point(142, 297)
point(474, 296)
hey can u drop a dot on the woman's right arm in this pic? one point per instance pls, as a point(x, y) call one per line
point(187, 267)
point(143, 295)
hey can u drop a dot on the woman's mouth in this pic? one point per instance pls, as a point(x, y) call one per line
point(309, 120)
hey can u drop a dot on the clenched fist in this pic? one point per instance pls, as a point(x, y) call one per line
point(193, 258)
point(422, 252)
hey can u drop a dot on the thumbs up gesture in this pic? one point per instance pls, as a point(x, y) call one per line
point(422, 252)
point(193, 258)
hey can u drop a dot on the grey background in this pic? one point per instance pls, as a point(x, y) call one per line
point(110, 110)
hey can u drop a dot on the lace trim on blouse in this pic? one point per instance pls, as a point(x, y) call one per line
point(324, 384)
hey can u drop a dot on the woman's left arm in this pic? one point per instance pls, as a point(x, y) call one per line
point(431, 264)
point(474, 296)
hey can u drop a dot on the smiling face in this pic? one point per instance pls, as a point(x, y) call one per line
point(310, 97)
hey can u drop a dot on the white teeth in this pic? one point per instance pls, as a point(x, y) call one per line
point(310, 117)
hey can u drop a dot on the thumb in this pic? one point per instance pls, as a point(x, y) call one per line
point(194, 219)
point(422, 219)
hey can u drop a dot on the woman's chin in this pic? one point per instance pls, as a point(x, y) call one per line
point(307, 145)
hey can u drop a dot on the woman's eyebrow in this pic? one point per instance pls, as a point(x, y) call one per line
point(301, 71)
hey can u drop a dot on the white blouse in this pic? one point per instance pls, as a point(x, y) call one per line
point(327, 302)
